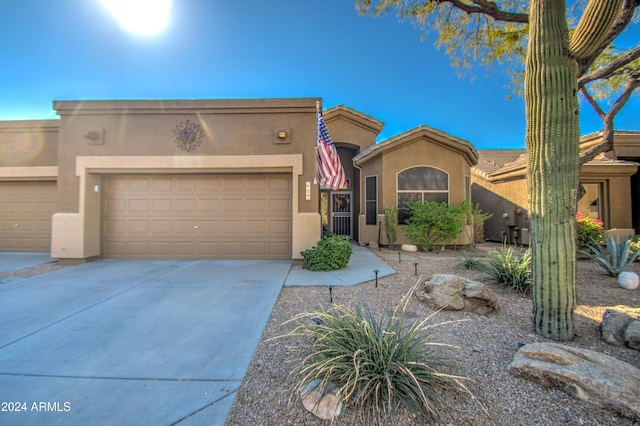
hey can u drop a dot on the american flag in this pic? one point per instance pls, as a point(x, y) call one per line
point(330, 171)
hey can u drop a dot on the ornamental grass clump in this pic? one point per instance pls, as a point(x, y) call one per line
point(380, 364)
point(510, 269)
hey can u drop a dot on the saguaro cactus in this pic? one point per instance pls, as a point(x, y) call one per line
point(552, 138)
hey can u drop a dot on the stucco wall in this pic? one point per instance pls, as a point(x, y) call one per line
point(29, 143)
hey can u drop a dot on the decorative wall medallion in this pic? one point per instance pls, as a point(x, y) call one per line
point(188, 135)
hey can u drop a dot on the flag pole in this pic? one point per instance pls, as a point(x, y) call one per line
point(315, 160)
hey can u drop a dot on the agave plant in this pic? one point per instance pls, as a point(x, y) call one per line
point(615, 258)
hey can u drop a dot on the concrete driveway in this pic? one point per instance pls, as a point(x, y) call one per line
point(132, 342)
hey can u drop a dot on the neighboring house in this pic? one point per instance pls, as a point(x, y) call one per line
point(222, 179)
point(609, 188)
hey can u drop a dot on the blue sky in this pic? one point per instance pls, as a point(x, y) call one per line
point(76, 50)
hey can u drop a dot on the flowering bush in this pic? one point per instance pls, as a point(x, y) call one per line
point(588, 230)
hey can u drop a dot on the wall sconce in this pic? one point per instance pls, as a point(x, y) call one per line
point(307, 191)
point(282, 135)
point(96, 188)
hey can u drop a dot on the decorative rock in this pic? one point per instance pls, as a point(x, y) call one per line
point(410, 248)
point(628, 280)
point(373, 245)
point(613, 327)
point(322, 401)
point(632, 335)
point(590, 376)
point(445, 291)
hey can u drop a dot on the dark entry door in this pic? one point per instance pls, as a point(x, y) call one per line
point(341, 213)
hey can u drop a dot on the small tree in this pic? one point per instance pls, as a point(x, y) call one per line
point(432, 223)
point(391, 225)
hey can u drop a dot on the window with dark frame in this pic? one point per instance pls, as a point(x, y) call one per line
point(421, 183)
point(371, 200)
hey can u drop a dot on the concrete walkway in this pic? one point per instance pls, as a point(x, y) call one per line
point(360, 269)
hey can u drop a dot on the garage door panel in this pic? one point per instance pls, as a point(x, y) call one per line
point(138, 227)
point(162, 205)
point(159, 184)
point(139, 206)
point(203, 216)
point(161, 226)
point(140, 184)
point(209, 206)
point(185, 184)
point(185, 205)
point(26, 209)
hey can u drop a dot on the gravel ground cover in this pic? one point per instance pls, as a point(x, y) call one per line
point(482, 348)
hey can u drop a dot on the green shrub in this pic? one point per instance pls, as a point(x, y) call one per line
point(588, 229)
point(379, 364)
point(617, 256)
point(332, 252)
point(510, 269)
point(432, 223)
point(391, 225)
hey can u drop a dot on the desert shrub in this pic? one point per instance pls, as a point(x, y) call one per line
point(474, 216)
point(510, 269)
point(379, 364)
point(432, 223)
point(470, 262)
point(588, 229)
point(617, 256)
point(391, 225)
point(332, 252)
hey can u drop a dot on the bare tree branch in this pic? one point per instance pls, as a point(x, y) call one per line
point(633, 82)
point(486, 7)
point(610, 68)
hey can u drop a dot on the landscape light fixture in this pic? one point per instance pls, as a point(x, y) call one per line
point(375, 271)
point(330, 294)
point(415, 264)
point(399, 256)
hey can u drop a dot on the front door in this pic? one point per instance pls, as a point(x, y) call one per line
point(341, 213)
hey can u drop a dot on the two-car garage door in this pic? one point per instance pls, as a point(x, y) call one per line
point(206, 216)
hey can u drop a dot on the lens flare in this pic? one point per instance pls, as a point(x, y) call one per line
point(140, 17)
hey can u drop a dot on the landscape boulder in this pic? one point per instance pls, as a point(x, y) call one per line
point(614, 328)
point(322, 400)
point(410, 248)
point(593, 377)
point(446, 291)
point(632, 337)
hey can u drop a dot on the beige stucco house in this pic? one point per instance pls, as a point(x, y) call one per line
point(212, 179)
point(610, 188)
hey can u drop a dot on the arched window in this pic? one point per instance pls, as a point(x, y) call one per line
point(421, 183)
